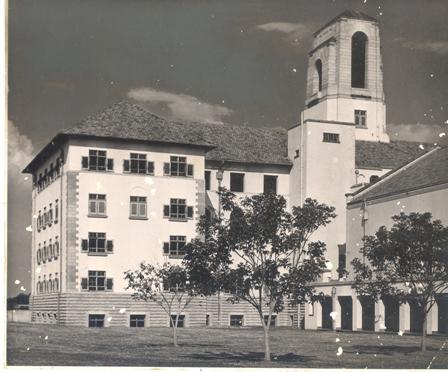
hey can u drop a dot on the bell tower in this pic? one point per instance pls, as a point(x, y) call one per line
point(345, 77)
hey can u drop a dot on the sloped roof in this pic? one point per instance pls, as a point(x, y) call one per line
point(428, 170)
point(350, 14)
point(387, 155)
point(222, 142)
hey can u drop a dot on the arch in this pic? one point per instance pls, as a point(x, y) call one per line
point(318, 67)
point(56, 249)
point(56, 285)
point(359, 54)
point(50, 286)
point(374, 178)
point(38, 256)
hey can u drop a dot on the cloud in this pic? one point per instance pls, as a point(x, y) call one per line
point(438, 47)
point(294, 31)
point(417, 132)
point(182, 106)
point(20, 152)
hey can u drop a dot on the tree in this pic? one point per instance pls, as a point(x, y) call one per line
point(167, 286)
point(266, 251)
point(409, 261)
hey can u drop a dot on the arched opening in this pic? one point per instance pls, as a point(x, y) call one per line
point(318, 66)
point(359, 49)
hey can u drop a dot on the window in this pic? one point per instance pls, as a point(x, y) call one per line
point(138, 163)
point(39, 222)
point(178, 210)
point(56, 248)
point(178, 167)
point(273, 320)
point(97, 280)
point(176, 246)
point(96, 320)
point(97, 205)
point(38, 255)
point(44, 218)
point(97, 161)
point(44, 253)
point(236, 320)
point(138, 207)
point(360, 118)
point(56, 284)
point(207, 180)
point(56, 211)
point(318, 66)
point(331, 137)
point(342, 260)
point(237, 182)
point(97, 242)
point(207, 320)
point(137, 321)
point(180, 321)
point(50, 251)
point(359, 43)
point(270, 184)
point(50, 214)
point(374, 179)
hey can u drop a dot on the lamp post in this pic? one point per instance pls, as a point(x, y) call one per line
point(219, 177)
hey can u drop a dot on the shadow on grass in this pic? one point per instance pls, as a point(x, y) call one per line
point(391, 350)
point(250, 357)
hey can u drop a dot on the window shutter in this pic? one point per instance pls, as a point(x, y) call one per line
point(166, 211)
point(150, 169)
point(84, 283)
point(85, 162)
point(166, 249)
point(190, 170)
point(85, 245)
point(109, 284)
point(125, 165)
point(190, 212)
point(110, 246)
point(110, 164)
point(166, 169)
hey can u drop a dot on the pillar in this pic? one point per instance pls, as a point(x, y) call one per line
point(318, 314)
point(357, 314)
point(433, 320)
point(337, 308)
point(405, 317)
point(380, 316)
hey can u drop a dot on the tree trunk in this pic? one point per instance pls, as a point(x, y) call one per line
point(267, 349)
point(174, 325)
point(425, 321)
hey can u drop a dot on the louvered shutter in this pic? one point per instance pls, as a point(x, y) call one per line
point(166, 169)
point(85, 245)
point(110, 246)
point(84, 283)
point(85, 162)
point(190, 170)
point(166, 249)
point(125, 165)
point(166, 211)
point(110, 164)
point(190, 212)
point(109, 284)
point(150, 169)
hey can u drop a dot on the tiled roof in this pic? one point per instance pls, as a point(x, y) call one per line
point(350, 14)
point(223, 142)
point(387, 155)
point(428, 170)
point(125, 120)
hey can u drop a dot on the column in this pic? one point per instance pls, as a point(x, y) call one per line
point(337, 308)
point(380, 316)
point(405, 317)
point(357, 314)
point(318, 314)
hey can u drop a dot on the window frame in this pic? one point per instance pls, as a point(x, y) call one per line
point(233, 180)
point(94, 279)
point(138, 203)
point(360, 118)
point(329, 137)
point(233, 320)
point(265, 178)
point(101, 320)
point(174, 251)
point(137, 322)
point(181, 323)
point(97, 200)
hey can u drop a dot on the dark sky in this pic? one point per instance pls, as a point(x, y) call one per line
point(236, 61)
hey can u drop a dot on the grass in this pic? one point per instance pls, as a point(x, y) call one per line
point(212, 347)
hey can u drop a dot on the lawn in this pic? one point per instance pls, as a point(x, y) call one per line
point(210, 347)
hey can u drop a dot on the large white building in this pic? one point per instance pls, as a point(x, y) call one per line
point(126, 185)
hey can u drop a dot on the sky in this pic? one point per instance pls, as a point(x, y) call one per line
point(241, 62)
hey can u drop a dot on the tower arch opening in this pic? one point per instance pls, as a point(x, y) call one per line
point(318, 76)
point(359, 60)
